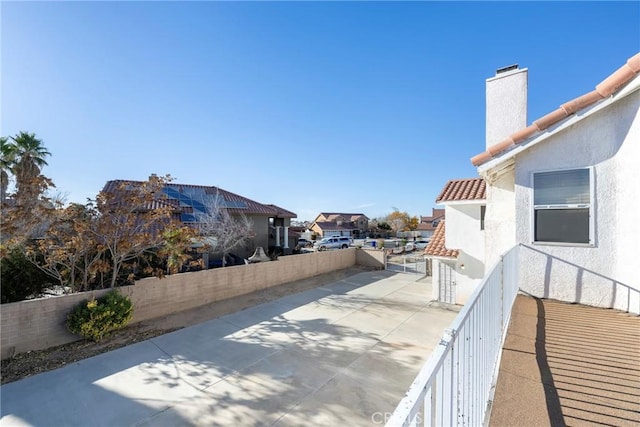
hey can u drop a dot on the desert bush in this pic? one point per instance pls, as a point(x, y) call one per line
point(97, 318)
point(20, 278)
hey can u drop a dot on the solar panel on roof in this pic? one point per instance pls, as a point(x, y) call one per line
point(187, 217)
point(200, 199)
point(198, 206)
point(236, 204)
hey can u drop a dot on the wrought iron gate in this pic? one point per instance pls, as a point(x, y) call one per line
point(415, 264)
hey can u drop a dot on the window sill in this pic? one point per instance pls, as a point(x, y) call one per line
point(563, 244)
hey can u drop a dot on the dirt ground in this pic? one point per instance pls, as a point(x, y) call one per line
point(34, 362)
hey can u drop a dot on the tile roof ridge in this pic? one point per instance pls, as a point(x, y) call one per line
point(466, 179)
point(604, 89)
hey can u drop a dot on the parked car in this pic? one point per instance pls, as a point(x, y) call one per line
point(421, 244)
point(337, 242)
point(303, 243)
point(410, 246)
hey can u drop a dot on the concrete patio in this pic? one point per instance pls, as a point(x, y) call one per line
point(340, 354)
point(568, 364)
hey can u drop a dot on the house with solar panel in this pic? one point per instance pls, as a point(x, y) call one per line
point(270, 223)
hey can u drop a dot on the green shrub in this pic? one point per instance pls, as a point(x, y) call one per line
point(20, 278)
point(97, 318)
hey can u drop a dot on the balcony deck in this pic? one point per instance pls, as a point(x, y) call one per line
point(568, 364)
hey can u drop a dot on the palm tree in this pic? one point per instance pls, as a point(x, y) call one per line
point(29, 157)
point(6, 165)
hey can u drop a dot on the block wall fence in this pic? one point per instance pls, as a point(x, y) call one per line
point(39, 324)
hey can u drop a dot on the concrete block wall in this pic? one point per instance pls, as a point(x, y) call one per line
point(373, 258)
point(40, 324)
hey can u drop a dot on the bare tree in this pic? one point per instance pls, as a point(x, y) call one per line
point(67, 250)
point(221, 230)
point(398, 221)
point(131, 220)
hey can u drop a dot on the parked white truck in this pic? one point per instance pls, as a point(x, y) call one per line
point(335, 242)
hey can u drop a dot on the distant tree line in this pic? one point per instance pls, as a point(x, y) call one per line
point(392, 223)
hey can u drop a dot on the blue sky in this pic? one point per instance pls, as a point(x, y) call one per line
point(313, 106)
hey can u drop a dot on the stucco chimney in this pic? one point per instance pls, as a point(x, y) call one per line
point(506, 103)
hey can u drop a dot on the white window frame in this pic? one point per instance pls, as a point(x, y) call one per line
point(590, 206)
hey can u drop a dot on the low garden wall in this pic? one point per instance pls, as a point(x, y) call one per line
point(39, 324)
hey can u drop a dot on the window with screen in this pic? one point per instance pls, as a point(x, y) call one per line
point(562, 203)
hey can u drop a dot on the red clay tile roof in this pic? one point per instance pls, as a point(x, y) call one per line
point(462, 190)
point(332, 225)
point(436, 245)
point(333, 216)
point(606, 88)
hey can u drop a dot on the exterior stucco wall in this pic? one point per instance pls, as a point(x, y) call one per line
point(463, 233)
point(602, 274)
point(506, 102)
point(464, 285)
point(627, 167)
point(435, 279)
point(500, 217)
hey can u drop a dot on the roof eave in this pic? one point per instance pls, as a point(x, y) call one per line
point(462, 202)
point(630, 88)
point(446, 258)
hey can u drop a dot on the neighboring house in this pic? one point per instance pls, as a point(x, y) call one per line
point(565, 189)
point(428, 224)
point(352, 225)
point(457, 251)
point(270, 223)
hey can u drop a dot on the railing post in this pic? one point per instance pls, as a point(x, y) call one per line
point(501, 295)
point(457, 384)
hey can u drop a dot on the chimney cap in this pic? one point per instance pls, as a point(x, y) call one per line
point(507, 68)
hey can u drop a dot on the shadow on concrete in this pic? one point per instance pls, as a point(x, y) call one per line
point(254, 367)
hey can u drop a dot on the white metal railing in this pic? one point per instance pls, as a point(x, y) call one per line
point(456, 384)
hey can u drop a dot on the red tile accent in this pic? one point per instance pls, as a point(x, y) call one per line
point(481, 158)
point(436, 246)
point(547, 120)
point(523, 134)
point(606, 88)
point(501, 146)
point(581, 102)
point(463, 189)
point(615, 81)
point(634, 63)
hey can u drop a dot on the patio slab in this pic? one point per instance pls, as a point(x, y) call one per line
point(343, 353)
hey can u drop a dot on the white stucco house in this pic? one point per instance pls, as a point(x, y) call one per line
point(458, 264)
point(567, 189)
